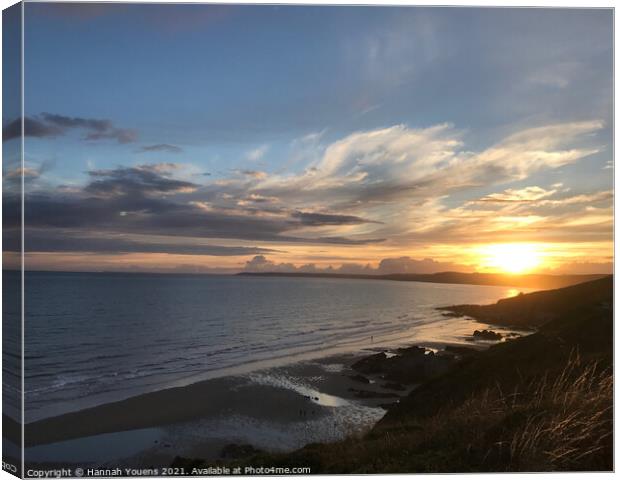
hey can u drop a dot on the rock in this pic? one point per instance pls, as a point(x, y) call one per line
point(235, 451)
point(394, 386)
point(371, 364)
point(486, 335)
point(359, 378)
point(409, 365)
point(414, 350)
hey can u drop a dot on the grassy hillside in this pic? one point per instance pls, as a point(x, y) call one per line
point(538, 308)
point(538, 403)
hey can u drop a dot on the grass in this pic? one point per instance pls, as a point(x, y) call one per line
point(559, 422)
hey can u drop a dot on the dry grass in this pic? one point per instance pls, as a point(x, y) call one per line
point(558, 422)
point(561, 422)
point(570, 427)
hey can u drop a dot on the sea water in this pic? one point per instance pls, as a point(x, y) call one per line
point(93, 338)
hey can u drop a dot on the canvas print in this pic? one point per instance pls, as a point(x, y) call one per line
point(306, 239)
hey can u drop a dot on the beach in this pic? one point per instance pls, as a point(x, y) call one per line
point(275, 409)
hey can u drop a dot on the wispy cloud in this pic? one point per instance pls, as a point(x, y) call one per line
point(161, 147)
point(257, 153)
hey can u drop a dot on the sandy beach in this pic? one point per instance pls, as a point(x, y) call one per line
point(274, 409)
point(294, 405)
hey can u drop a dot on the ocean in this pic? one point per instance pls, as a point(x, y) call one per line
point(94, 338)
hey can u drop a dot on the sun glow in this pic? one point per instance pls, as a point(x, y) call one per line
point(514, 258)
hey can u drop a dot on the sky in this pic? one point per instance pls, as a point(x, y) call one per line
point(221, 138)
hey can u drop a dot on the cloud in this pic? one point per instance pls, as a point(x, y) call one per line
point(261, 264)
point(161, 147)
point(149, 199)
point(257, 153)
point(534, 149)
point(320, 219)
point(256, 174)
point(584, 268)
point(45, 240)
point(149, 214)
point(12, 177)
point(255, 198)
point(392, 186)
point(140, 180)
point(32, 128)
point(53, 125)
point(527, 194)
point(399, 163)
point(558, 75)
point(16, 174)
point(410, 265)
point(529, 214)
point(387, 266)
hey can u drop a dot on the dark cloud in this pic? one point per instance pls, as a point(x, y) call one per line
point(134, 214)
point(161, 147)
point(45, 240)
point(148, 200)
point(321, 219)
point(53, 125)
point(32, 128)
point(141, 180)
point(350, 241)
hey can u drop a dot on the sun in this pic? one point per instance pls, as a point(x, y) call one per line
point(513, 258)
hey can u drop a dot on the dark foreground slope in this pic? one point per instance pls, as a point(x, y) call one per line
point(537, 403)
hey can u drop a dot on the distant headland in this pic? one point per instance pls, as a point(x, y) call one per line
point(537, 281)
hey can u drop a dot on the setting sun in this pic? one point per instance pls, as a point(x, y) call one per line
point(511, 258)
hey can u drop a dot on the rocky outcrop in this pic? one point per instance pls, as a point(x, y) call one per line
point(487, 335)
point(408, 365)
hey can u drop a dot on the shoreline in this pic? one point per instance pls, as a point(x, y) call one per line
point(323, 393)
point(429, 328)
point(318, 400)
point(203, 418)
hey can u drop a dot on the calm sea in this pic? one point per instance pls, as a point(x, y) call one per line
point(93, 338)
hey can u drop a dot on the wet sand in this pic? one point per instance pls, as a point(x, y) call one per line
point(277, 408)
point(292, 405)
